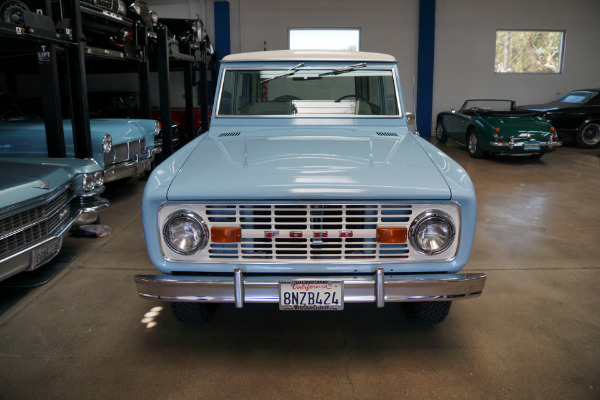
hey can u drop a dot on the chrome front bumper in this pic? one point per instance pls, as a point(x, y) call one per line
point(376, 288)
point(128, 169)
point(512, 144)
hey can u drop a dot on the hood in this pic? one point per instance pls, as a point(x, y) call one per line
point(24, 182)
point(27, 138)
point(308, 167)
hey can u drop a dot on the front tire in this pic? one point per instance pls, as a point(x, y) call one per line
point(474, 144)
point(427, 313)
point(440, 132)
point(588, 137)
point(193, 313)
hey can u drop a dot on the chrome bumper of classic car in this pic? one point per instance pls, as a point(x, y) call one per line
point(377, 288)
point(511, 144)
point(40, 252)
point(89, 206)
point(135, 167)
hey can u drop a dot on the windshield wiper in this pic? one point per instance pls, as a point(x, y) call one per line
point(289, 72)
point(341, 70)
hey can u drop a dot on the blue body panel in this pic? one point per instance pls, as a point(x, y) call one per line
point(23, 180)
point(27, 138)
point(345, 159)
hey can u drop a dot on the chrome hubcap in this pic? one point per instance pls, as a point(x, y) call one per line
point(591, 134)
point(473, 143)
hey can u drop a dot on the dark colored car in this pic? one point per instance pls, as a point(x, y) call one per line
point(104, 22)
point(575, 114)
point(494, 126)
point(189, 33)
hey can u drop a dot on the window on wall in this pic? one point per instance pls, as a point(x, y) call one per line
point(538, 52)
point(325, 39)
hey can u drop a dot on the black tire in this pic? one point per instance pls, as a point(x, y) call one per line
point(588, 137)
point(193, 313)
point(474, 144)
point(440, 132)
point(11, 11)
point(427, 313)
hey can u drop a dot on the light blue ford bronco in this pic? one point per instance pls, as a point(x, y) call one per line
point(309, 191)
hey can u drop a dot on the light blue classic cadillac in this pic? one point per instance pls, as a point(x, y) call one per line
point(40, 198)
point(123, 147)
point(309, 191)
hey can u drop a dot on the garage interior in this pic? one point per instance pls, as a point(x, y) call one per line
point(534, 332)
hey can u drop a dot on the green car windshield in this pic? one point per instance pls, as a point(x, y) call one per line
point(488, 105)
point(308, 92)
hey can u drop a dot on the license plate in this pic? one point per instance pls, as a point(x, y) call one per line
point(45, 253)
point(311, 295)
point(531, 146)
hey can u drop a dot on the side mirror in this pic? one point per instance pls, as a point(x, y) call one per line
point(410, 118)
point(453, 111)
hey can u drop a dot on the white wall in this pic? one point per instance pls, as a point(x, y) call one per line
point(464, 38)
point(387, 26)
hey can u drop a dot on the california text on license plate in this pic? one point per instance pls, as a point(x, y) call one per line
point(311, 295)
point(531, 146)
point(44, 253)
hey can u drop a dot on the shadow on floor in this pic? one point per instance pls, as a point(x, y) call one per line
point(12, 290)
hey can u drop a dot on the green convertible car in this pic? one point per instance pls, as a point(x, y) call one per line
point(495, 126)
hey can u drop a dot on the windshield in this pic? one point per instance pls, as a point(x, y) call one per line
point(488, 105)
point(577, 97)
point(308, 92)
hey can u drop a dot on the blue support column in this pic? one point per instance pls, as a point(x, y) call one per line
point(222, 29)
point(425, 67)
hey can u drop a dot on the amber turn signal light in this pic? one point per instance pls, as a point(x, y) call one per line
point(391, 235)
point(226, 235)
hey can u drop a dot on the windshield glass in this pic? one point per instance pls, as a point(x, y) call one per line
point(577, 97)
point(308, 92)
point(488, 105)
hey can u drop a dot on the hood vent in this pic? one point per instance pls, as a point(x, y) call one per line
point(230, 134)
point(386, 134)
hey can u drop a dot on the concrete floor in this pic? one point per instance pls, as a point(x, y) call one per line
point(533, 334)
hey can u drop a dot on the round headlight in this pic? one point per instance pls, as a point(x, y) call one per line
point(87, 181)
point(185, 232)
point(98, 178)
point(432, 232)
point(107, 143)
point(154, 17)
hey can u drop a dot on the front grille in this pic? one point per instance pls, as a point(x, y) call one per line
point(350, 231)
point(27, 228)
point(112, 5)
point(125, 152)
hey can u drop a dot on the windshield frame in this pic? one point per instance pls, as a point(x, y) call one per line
point(324, 68)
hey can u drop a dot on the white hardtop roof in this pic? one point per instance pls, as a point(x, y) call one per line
point(309, 55)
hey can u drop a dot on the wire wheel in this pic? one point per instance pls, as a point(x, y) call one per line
point(440, 132)
point(589, 136)
point(474, 145)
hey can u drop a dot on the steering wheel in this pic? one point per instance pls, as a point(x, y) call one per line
point(358, 97)
point(475, 110)
point(286, 97)
point(7, 114)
